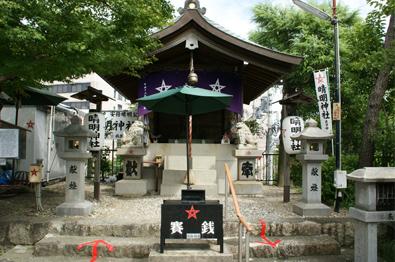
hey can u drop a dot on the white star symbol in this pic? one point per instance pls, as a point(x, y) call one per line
point(217, 87)
point(163, 87)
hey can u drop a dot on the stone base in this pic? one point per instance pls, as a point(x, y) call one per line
point(74, 209)
point(311, 210)
point(248, 187)
point(131, 187)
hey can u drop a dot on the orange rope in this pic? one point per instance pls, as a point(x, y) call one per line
point(235, 201)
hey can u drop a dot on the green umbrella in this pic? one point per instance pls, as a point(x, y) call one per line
point(187, 101)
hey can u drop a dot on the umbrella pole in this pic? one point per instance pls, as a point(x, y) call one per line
point(188, 151)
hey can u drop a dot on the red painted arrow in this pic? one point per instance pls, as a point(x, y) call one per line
point(94, 245)
point(266, 241)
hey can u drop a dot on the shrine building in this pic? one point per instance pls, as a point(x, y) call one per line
point(224, 63)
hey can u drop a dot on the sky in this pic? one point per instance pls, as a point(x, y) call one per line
point(236, 15)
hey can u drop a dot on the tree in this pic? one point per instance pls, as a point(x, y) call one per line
point(376, 98)
point(48, 40)
point(296, 32)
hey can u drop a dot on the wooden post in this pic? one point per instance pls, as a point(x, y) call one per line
point(97, 155)
point(96, 180)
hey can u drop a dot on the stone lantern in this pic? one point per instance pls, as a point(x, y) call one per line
point(75, 151)
point(374, 203)
point(312, 155)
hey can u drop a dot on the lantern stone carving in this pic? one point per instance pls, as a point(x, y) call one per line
point(374, 203)
point(312, 155)
point(75, 151)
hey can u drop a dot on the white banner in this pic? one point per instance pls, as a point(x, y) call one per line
point(95, 123)
point(117, 122)
point(292, 125)
point(324, 99)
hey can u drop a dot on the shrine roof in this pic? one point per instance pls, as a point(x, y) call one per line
point(218, 49)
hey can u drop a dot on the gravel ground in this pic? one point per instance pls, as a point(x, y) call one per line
point(113, 209)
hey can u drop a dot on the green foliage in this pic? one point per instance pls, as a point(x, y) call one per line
point(253, 125)
point(105, 163)
point(47, 40)
point(349, 164)
point(294, 31)
point(386, 242)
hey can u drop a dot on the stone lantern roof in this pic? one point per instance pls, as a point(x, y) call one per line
point(75, 129)
point(373, 174)
point(312, 132)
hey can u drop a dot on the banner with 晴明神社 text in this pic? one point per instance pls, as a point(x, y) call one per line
point(324, 100)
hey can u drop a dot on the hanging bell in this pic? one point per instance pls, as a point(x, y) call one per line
point(193, 78)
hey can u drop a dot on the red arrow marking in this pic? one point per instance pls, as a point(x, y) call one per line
point(266, 241)
point(94, 245)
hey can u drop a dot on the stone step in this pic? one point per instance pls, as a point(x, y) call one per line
point(346, 256)
point(171, 177)
point(25, 253)
point(190, 254)
point(205, 176)
point(55, 245)
point(83, 228)
point(198, 162)
point(290, 246)
point(86, 228)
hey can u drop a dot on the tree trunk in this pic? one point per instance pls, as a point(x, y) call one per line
point(366, 155)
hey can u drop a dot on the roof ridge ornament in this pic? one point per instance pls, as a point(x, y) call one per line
point(192, 4)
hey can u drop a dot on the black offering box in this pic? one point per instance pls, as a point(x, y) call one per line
point(192, 217)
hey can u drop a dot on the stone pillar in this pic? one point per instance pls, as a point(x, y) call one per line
point(75, 181)
point(365, 242)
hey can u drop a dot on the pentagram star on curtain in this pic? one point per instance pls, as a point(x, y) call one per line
point(163, 87)
point(217, 87)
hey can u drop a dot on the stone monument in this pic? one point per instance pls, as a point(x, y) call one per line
point(75, 151)
point(311, 156)
point(132, 151)
point(246, 153)
point(374, 203)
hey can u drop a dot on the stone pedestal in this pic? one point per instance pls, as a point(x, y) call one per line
point(311, 202)
point(74, 209)
point(248, 187)
point(129, 187)
point(246, 183)
point(132, 183)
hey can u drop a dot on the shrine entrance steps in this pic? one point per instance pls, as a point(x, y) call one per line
point(301, 240)
point(203, 175)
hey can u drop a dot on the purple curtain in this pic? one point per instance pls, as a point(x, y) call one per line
point(227, 83)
